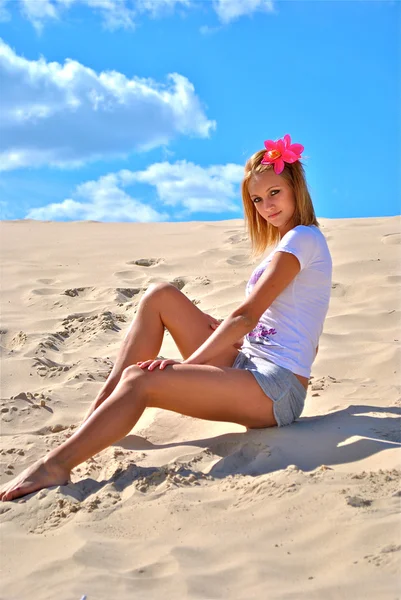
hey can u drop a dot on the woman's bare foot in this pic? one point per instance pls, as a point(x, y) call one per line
point(40, 475)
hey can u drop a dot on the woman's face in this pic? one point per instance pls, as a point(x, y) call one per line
point(271, 194)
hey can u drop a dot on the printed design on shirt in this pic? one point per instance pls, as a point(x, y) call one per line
point(255, 276)
point(261, 333)
point(258, 272)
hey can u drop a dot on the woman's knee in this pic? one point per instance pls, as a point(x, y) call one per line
point(159, 289)
point(133, 374)
point(138, 378)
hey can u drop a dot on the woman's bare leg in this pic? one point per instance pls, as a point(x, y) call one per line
point(201, 391)
point(162, 305)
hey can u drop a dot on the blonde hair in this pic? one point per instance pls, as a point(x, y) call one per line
point(263, 234)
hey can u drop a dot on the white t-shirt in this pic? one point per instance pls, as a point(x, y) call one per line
point(288, 332)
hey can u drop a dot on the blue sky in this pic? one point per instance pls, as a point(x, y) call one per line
point(146, 110)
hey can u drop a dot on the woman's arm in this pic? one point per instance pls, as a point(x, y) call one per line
point(282, 269)
point(227, 334)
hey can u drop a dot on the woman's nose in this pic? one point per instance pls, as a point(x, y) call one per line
point(268, 204)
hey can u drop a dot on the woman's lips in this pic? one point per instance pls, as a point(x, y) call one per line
point(276, 215)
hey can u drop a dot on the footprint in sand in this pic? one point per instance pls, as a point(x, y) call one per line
point(123, 297)
point(42, 292)
point(338, 289)
point(47, 281)
point(146, 262)
point(385, 556)
point(240, 260)
point(202, 279)
point(391, 238)
point(237, 238)
point(178, 282)
point(73, 292)
point(126, 276)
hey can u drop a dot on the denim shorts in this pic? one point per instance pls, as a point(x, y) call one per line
point(280, 384)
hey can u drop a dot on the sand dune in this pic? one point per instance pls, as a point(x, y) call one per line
point(186, 508)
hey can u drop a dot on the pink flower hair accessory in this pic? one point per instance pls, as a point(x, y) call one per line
point(280, 152)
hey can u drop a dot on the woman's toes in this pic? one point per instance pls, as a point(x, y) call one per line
point(33, 479)
point(7, 492)
point(13, 493)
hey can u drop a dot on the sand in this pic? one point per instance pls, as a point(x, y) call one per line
point(182, 507)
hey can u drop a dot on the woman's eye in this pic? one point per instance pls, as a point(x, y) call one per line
point(258, 199)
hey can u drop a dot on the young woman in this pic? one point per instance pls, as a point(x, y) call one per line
point(277, 327)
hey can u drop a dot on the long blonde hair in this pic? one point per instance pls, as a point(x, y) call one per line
point(263, 234)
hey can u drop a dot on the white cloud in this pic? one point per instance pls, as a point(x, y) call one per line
point(229, 10)
point(159, 8)
point(195, 188)
point(181, 186)
point(4, 14)
point(38, 12)
point(206, 30)
point(122, 13)
point(101, 200)
point(68, 114)
point(114, 13)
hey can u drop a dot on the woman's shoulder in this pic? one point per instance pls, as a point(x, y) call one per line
point(301, 232)
point(312, 239)
point(308, 229)
point(311, 232)
point(322, 251)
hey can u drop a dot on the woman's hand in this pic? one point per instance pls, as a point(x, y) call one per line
point(150, 365)
point(214, 323)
